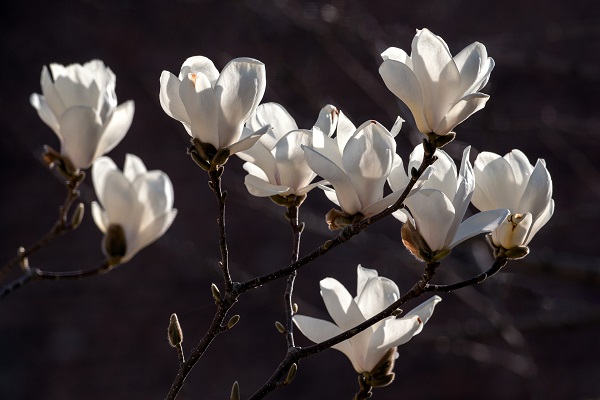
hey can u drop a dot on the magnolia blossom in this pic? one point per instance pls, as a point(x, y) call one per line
point(137, 204)
point(80, 105)
point(436, 211)
point(374, 294)
point(214, 107)
point(512, 182)
point(356, 163)
point(441, 91)
point(276, 164)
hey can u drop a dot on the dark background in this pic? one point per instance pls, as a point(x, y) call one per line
point(529, 333)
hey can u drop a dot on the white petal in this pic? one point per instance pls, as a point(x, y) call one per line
point(434, 214)
point(521, 167)
point(396, 54)
point(538, 192)
point(244, 144)
point(483, 222)
point(393, 332)
point(377, 294)
point(201, 105)
point(464, 191)
point(275, 115)
point(495, 185)
point(318, 330)
point(154, 194)
point(541, 221)
point(169, 97)
point(120, 202)
point(81, 130)
point(50, 94)
point(202, 65)
point(39, 103)
point(397, 179)
point(460, 111)
point(468, 62)
point(262, 158)
point(437, 73)
point(100, 217)
point(150, 233)
point(102, 166)
point(345, 130)
point(134, 166)
point(367, 159)
point(396, 127)
point(362, 277)
point(328, 170)
point(424, 311)
point(260, 188)
point(327, 120)
point(401, 80)
point(239, 89)
point(340, 304)
point(115, 127)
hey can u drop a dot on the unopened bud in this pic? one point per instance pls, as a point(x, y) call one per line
point(77, 216)
point(175, 334)
point(200, 161)
point(234, 320)
point(215, 292)
point(291, 374)
point(295, 308)
point(235, 391)
point(279, 326)
point(115, 244)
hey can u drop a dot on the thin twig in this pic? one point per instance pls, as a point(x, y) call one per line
point(35, 274)
point(496, 267)
point(292, 214)
point(215, 185)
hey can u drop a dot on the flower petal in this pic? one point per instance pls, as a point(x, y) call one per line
point(150, 233)
point(201, 106)
point(260, 188)
point(239, 89)
point(169, 97)
point(460, 111)
point(482, 222)
point(538, 192)
point(275, 115)
point(340, 304)
point(115, 127)
point(341, 182)
point(434, 214)
point(100, 217)
point(134, 166)
point(401, 80)
point(81, 130)
point(199, 65)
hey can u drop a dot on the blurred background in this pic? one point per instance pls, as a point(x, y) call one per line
point(529, 333)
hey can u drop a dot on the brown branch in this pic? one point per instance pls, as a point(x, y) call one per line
point(496, 267)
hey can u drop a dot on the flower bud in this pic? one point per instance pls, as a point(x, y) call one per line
point(279, 326)
point(221, 157)
point(291, 374)
point(77, 216)
point(175, 334)
point(115, 244)
point(235, 391)
point(513, 231)
point(234, 320)
point(215, 292)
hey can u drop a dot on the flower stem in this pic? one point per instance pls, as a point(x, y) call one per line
point(215, 184)
point(499, 263)
point(292, 214)
point(35, 274)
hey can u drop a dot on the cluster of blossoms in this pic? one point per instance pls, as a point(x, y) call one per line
point(223, 114)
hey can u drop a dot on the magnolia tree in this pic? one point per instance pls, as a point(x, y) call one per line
point(223, 114)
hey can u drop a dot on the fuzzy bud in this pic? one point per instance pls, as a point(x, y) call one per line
point(115, 244)
point(175, 334)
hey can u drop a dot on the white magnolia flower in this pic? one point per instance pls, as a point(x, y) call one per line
point(356, 163)
point(438, 208)
point(276, 164)
point(137, 200)
point(374, 294)
point(80, 105)
point(512, 182)
point(214, 107)
point(440, 91)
